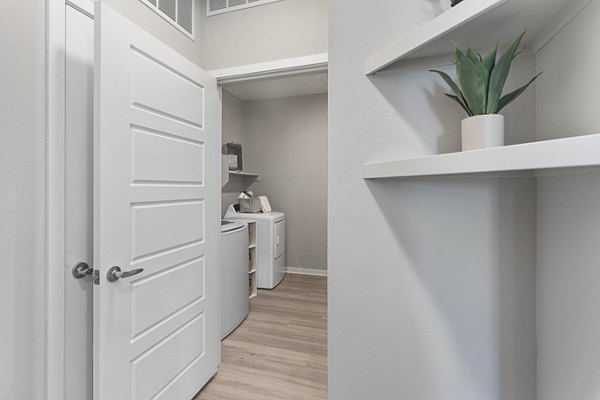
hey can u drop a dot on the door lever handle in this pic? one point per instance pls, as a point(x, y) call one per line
point(116, 273)
point(81, 270)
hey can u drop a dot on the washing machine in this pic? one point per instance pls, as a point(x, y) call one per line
point(270, 245)
point(234, 276)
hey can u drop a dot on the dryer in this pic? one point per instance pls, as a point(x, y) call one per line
point(270, 245)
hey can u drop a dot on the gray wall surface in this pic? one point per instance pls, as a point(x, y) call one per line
point(286, 143)
point(431, 281)
point(233, 132)
point(22, 199)
point(569, 218)
point(284, 29)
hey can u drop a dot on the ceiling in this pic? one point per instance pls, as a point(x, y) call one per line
point(273, 88)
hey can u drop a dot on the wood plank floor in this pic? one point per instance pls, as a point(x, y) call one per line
point(280, 351)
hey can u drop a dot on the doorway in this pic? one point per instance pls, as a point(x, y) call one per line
point(79, 212)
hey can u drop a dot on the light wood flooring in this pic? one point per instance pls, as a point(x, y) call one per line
point(280, 351)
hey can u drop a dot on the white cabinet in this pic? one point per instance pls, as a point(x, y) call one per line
point(252, 281)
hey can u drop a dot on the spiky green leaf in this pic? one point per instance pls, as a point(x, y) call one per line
point(454, 87)
point(472, 56)
point(489, 61)
point(499, 75)
point(474, 81)
point(512, 96)
point(457, 100)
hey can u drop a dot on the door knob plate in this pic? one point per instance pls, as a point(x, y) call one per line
point(81, 270)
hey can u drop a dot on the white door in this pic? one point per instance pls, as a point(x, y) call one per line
point(156, 207)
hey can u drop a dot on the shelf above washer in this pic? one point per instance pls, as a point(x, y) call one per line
point(245, 175)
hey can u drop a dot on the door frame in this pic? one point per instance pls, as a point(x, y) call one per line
point(55, 198)
point(54, 268)
point(283, 68)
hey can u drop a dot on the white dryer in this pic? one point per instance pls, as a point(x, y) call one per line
point(270, 245)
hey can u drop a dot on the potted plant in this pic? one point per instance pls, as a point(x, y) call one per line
point(478, 90)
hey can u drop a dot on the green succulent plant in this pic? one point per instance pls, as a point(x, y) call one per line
point(481, 80)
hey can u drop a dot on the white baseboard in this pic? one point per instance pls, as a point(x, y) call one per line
point(306, 271)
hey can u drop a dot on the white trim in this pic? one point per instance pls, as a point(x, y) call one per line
point(174, 23)
point(271, 69)
point(237, 8)
point(55, 199)
point(84, 6)
point(306, 271)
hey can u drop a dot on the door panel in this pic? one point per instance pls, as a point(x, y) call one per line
point(159, 158)
point(159, 226)
point(147, 308)
point(157, 199)
point(167, 360)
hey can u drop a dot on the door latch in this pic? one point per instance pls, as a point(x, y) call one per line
point(81, 270)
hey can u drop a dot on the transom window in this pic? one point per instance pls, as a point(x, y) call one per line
point(180, 13)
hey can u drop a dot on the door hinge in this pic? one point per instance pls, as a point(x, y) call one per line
point(96, 277)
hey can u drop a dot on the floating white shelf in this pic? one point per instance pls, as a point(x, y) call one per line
point(245, 175)
point(579, 151)
point(479, 23)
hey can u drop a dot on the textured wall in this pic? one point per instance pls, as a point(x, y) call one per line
point(22, 196)
point(286, 143)
point(569, 219)
point(233, 131)
point(431, 281)
point(284, 29)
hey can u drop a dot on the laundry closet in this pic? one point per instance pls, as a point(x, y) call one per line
point(280, 121)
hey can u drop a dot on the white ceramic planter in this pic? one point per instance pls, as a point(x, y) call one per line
point(482, 131)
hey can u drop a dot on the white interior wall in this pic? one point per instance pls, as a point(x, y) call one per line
point(569, 219)
point(233, 132)
point(22, 199)
point(286, 143)
point(280, 30)
point(432, 281)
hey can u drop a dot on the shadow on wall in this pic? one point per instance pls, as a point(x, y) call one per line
point(466, 245)
point(415, 94)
